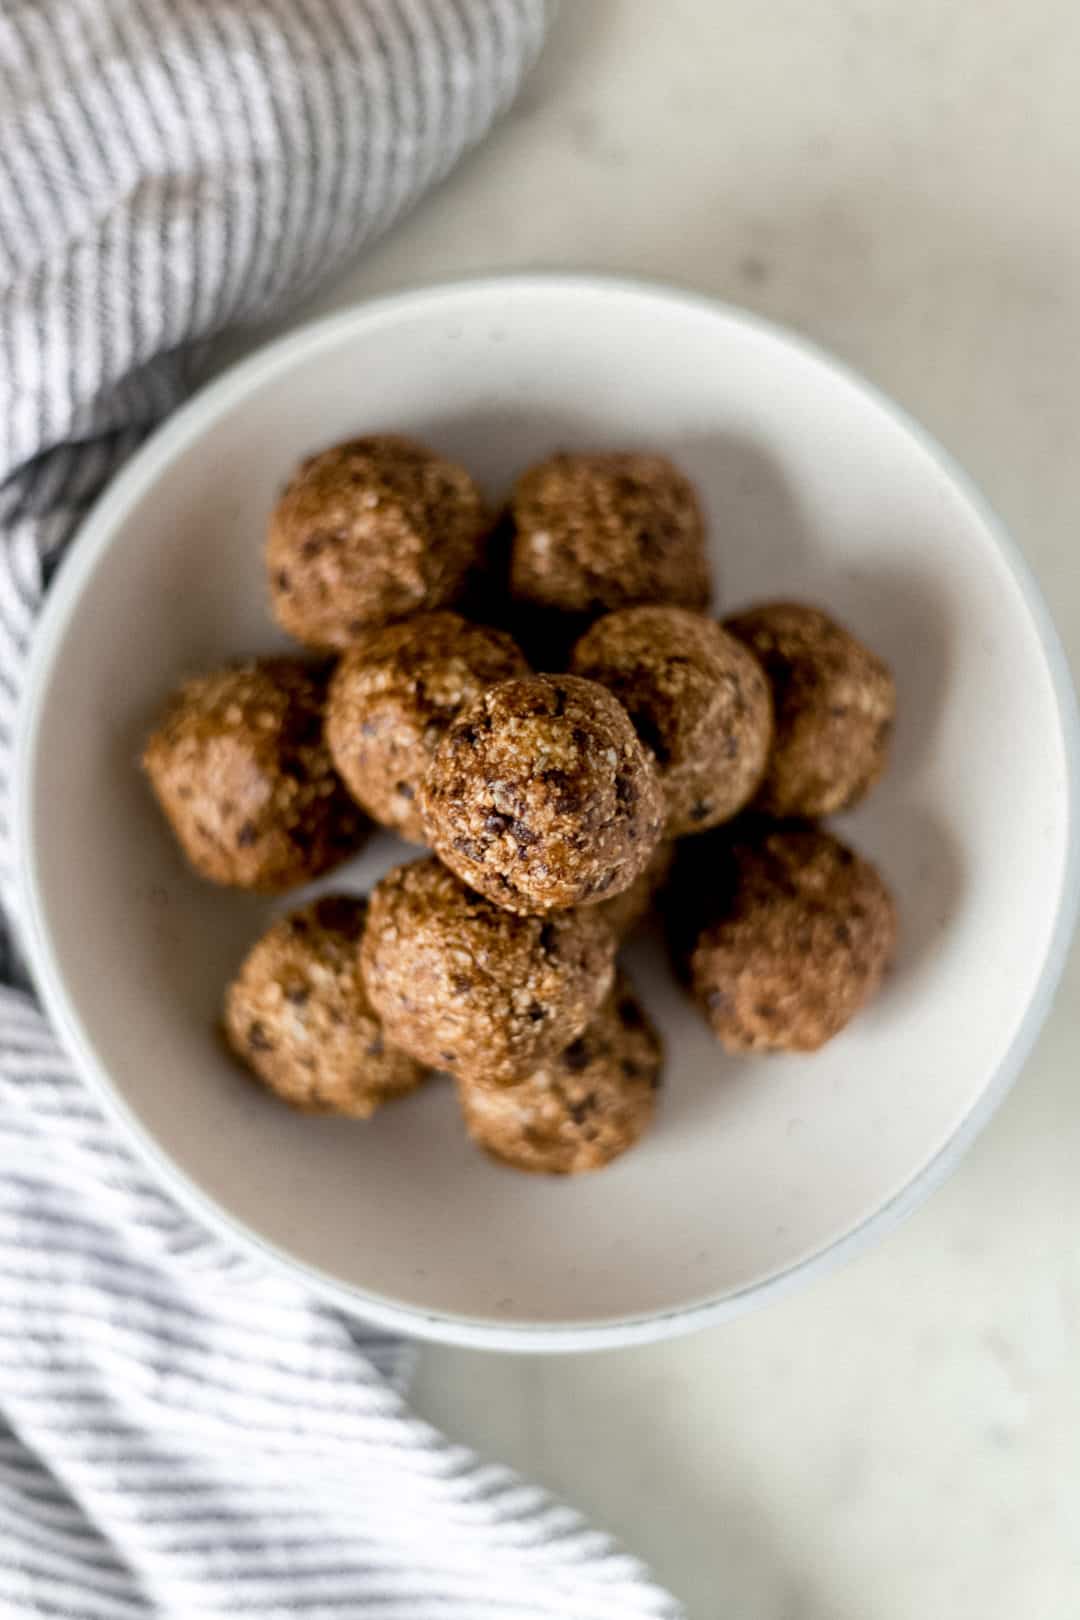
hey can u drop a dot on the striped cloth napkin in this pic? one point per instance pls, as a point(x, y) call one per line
point(181, 1435)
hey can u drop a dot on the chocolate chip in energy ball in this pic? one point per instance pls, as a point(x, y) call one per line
point(392, 698)
point(698, 700)
point(594, 532)
point(580, 1109)
point(239, 766)
point(834, 705)
point(371, 531)
point(465, 986)
point(540, 795)
point(791, 935)
point(298, 1017)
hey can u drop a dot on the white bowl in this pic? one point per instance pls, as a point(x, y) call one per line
point(757, 1172)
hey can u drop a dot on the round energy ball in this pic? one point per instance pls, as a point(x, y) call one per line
point(627, 910)
point(797, 936)
point(834, 702)
point(582, 1108)
point(698, 701)
point(602, 531)
point(393, 696)
point(298, 1016)
point(467, 987)
point(369, 531)
point(241, 771)
point(540, 795)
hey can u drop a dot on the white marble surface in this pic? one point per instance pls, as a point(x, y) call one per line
point(901, 180)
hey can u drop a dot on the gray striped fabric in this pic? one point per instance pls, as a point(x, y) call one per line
point(180, 1434)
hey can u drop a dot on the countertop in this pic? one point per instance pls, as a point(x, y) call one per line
point(899, 179)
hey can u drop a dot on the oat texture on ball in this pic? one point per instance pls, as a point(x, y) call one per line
point(368, 532)
point(541, 796)
point(628, 910)
point(698, 700)
point(298, 1016)
point(557, 804)
point(593, 532)
point(468, 987)
point(392, 698)
point(241, 771)
point(787, 933)
point(582, 1108)
point(834, 703)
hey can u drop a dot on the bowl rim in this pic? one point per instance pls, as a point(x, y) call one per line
point(90, 543)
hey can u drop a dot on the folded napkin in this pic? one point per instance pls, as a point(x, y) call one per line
point(180, 1433)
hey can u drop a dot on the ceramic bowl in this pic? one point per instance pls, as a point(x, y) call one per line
point(758, 1172)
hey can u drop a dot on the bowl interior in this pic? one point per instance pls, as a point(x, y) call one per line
point(813, 488)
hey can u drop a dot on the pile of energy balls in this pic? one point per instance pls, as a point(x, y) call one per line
point(663, 758)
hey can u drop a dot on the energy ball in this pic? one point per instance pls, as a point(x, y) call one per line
point(627, 910)
point(540, 795)
point(798, 937)
point(834, 702)
point(298, 1016)
point(392, 698)
point(371, 531)
point(467, 987)
point(241, 771)
point(602, 531)
point(581, 1109)
point(698, 701)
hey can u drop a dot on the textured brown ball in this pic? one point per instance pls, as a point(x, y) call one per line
point(371, 531)
point(798, 933)
point(602, 531)
point(633, 905)
point(834, 702)
point(540, 795)
point(240, 769)
point(697, 699)
point(582, 1108)
point(298, 1016)
point(392, 698)
point(465, 986)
